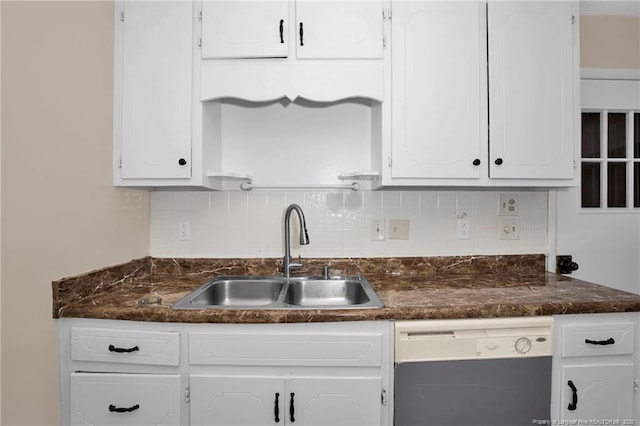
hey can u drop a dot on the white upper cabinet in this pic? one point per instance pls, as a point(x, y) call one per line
point(153, 90)
point(318, 29)
point(453, 123)
point(245, 29)
point(323, 51)
point(531, 89)
point(338, 29)
point(439, 95)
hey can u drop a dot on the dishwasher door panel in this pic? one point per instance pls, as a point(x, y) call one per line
point(488, 392)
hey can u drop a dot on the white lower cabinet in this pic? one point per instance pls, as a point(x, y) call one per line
point(252, 400)
point(598, 392)
point(125, 399)
point(134, 373)
point(595, 371)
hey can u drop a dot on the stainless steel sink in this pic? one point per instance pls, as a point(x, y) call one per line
point(233, 292)
point(275, 292)
point(311, 292)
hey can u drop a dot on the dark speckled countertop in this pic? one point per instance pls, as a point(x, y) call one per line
point(411, 288)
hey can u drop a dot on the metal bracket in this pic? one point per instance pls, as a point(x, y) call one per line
point(565, 265)
point(383, 397)
point(187, 394)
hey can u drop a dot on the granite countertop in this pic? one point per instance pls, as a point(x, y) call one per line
point(411, 288)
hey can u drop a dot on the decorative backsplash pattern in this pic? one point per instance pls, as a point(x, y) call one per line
point(228, 224)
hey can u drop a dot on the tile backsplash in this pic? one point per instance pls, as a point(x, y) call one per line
point(250, 224)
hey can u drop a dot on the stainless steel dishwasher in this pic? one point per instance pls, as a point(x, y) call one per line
point(473, 371)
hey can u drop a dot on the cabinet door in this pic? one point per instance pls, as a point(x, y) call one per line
point(236, 400)
point(339, 29)
point(125, 399)
point(531, 86)
point(439, 91)
point(156, 90)
point(603, 392)
point(244, 29)
point(336, 401)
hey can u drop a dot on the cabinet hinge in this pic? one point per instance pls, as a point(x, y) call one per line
point(200, 15)
point(384, 42)
point(635, 385)
point(120, 162)
point(187, 394)
point(122, 16)
point(200, 42)
point(389, 161)
point(386, 13)
point(573, 19)
point(383, 397)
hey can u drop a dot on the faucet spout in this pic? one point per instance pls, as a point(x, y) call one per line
point(304, 238)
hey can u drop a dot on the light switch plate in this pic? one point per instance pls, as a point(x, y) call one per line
point(377, 230)
point(464, 230)
point(398, 229)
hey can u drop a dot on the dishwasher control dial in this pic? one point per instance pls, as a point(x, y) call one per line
point(523, 345)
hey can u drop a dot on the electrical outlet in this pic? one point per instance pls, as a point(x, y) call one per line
point(398, 229)
point(184, 230)
point(510, 229)
point(377, 230)
point(464, 230)
point(508, 205)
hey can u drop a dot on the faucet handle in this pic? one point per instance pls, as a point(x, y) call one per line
point(296, 263)
point(325, 272)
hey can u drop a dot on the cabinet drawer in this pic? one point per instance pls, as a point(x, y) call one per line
point(596, 339)
point(290, 349)
point(125, 399)
point(125, 346)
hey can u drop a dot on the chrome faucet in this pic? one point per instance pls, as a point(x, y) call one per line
point(304, 238)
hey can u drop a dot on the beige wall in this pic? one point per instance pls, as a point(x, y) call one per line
point(610, 42)
point(60, 214)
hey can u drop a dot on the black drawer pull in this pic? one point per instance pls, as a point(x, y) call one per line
point(609, 341)
point(123, 350)
point(574, 399)
point(282, 31)
point(301, 35)
point(292, 410)
point(277, 408)
point(114, 409)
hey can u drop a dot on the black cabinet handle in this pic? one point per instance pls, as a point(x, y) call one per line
point(123, 350)
point(609, 341)
point(574, 399)
point(114, 409)
point(498, 161)
point(476, 162)
point(301, 35)
point(182, 161)
point(282, 31)
point(292, 410)
point(277, 408)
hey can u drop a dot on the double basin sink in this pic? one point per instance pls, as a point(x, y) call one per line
point(276, 292)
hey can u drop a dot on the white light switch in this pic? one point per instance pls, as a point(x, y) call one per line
point(377, 230)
